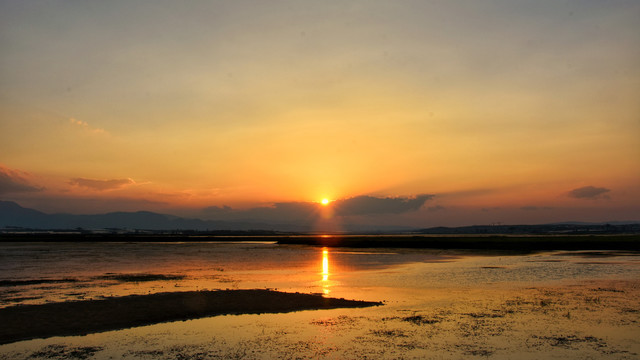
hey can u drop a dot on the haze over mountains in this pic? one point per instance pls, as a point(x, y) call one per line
point(397, 113)
point(13, 216)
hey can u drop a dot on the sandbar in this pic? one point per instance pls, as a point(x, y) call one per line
point(24, 322)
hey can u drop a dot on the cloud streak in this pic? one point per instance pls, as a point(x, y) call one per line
point(589, 192)
point(14, 181)
point(369, 205)
point(282, 212)
point(86, 127)
point(101, 185)
point(310, 211)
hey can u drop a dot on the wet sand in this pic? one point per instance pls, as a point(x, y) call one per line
point(85, 317)
point(561, 304)
point(575, 320)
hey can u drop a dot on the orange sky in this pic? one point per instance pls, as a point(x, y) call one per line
point(500, 110)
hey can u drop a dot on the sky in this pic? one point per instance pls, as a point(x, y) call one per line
point(432, 113)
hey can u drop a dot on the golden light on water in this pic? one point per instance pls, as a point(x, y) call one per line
point(325, 271)
point(325, 265)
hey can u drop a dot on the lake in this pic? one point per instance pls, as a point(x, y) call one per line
point(437, 303)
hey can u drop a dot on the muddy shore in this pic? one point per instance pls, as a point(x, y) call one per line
point(84, 317)
point(515, 243)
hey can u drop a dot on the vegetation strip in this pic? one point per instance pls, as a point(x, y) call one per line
point(83, 317)
point(476, 242)
point(526, 243)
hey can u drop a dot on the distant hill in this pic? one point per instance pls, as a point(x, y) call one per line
point(13, 215)
point(616, 227)
point(16, 217)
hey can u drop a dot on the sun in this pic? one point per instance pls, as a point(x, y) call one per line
point(324, 201)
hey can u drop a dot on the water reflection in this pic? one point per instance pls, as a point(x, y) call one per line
point(36, 273)
point(325, 271)
point(435, 304)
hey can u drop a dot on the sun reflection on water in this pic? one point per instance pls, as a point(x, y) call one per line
point(325, 271)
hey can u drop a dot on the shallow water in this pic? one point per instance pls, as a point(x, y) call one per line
point(438, 304)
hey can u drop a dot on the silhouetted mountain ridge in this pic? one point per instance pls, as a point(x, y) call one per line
point(16, 216)
point(613, 227)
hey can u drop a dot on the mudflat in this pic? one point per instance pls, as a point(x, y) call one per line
point(83, 317)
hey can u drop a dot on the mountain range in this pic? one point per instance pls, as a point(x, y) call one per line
point(15, 217)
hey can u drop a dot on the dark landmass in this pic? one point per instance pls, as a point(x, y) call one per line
point(520, 243)
point(570, 228)
point(22, 224)
point(528, 243)
point(25, 322)
point(15, 218)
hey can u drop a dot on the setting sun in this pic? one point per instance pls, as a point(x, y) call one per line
point(312, 131)
point(335, 179)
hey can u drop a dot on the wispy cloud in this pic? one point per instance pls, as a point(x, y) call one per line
point(86, 127)
point(14, 181)
point(589, 192)
point(101, 185)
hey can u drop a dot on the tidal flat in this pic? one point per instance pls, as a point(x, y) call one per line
point(25, 322)
point(437, 304)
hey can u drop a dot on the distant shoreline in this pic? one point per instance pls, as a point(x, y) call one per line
point(27, 322)
point(521, 243)
point(629, 242)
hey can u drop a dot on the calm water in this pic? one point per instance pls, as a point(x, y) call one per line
point(438, 304)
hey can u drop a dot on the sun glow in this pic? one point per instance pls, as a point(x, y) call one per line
point(324, 201)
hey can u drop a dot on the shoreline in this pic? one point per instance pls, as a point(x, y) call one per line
point(26, 322)
point(518, 243)
point(526, 243)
